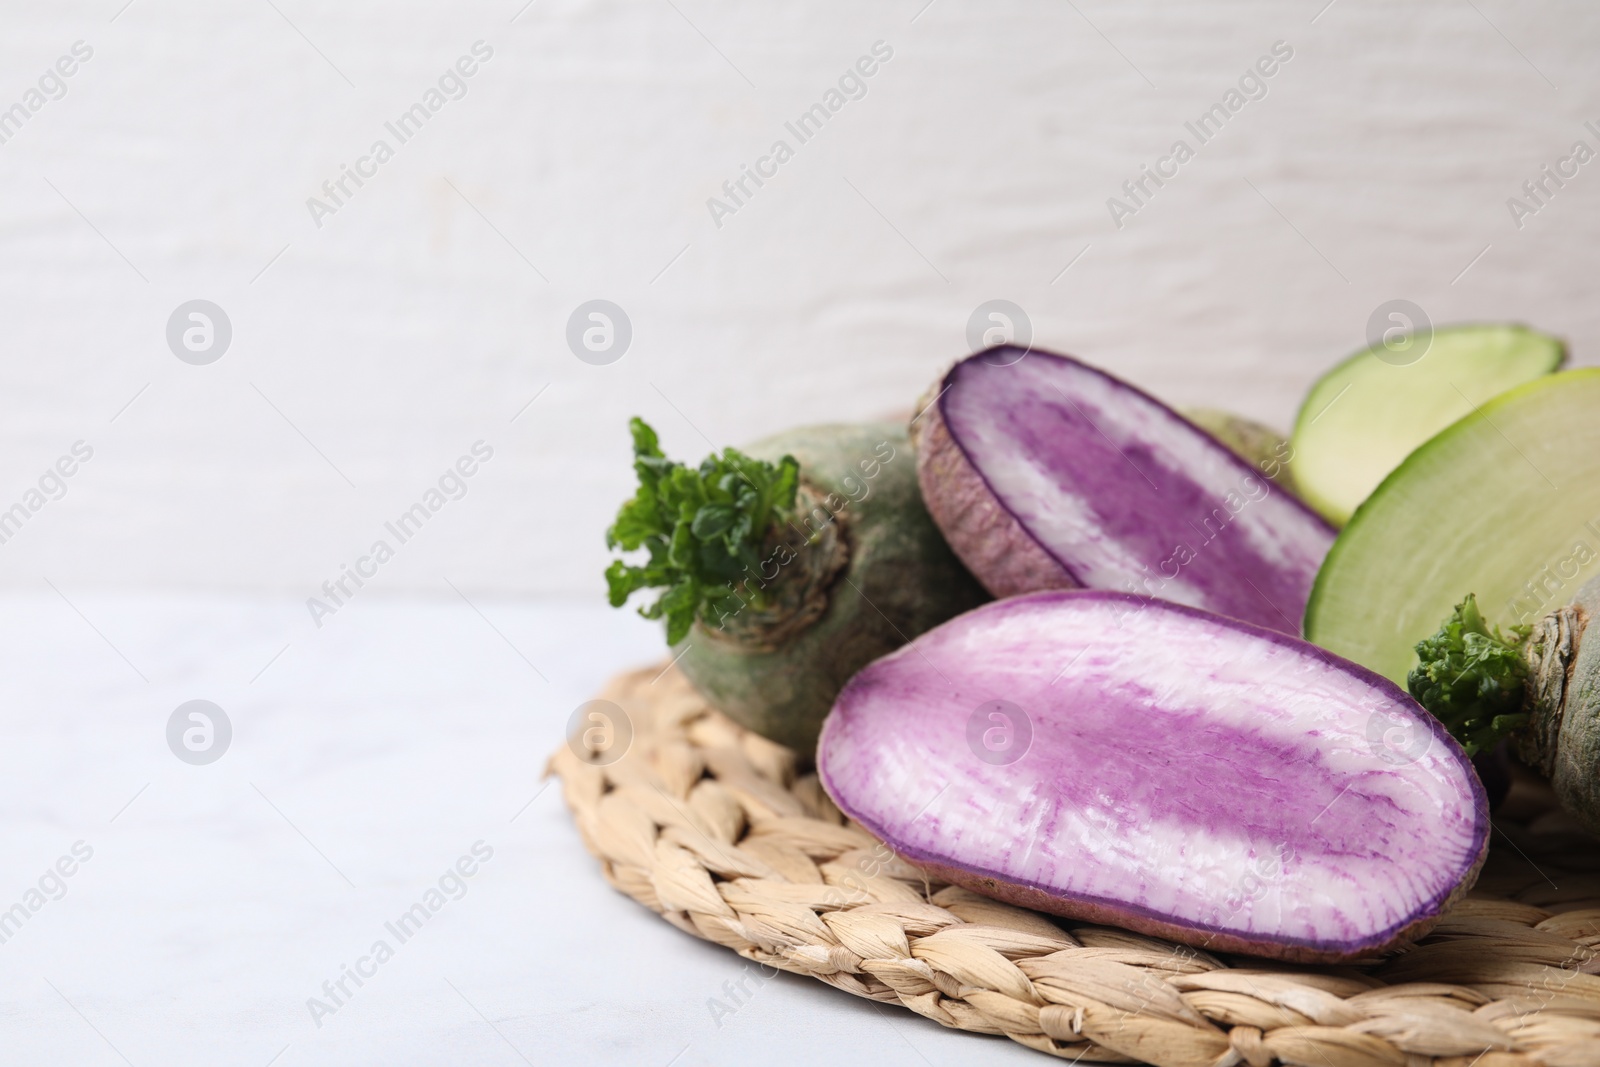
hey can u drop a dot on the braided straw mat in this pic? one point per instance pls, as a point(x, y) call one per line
point(727, 837)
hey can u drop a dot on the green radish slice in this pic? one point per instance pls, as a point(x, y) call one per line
point(1504, 503)
point(1366, 415)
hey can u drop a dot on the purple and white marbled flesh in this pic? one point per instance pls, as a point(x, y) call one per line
point(1151, 766)
point(1044, 473)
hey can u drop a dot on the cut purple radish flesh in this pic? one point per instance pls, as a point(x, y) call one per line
point(1044, 473)
point(1126, 761)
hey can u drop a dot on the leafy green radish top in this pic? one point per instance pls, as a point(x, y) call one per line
point(704, 528)
point(1473, 678)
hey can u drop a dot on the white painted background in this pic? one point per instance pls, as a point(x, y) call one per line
point(370, 353)
point(406, 328)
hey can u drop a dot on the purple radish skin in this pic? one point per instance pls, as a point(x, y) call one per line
point(1044, 473)
point(998, 551)
point(1118, 760)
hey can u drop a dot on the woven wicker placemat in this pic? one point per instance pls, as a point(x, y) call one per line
point(726, 836)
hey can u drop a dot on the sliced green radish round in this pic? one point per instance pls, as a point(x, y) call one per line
point(1367, 414)
point(1504, 503)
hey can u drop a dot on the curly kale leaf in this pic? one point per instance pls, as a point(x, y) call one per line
point(703, 528)
point(1472, 678)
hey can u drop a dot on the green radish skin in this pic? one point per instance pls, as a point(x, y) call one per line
point(1504, 503)
point(1562, 738)
point(1363, 417)
point(1575, 773)
point(889, 577)
point(1258, 445)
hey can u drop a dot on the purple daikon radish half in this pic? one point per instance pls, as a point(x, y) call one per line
point(1044, 473)
point(1129, 761)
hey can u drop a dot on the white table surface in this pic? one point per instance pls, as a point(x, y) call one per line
point(365, 760)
